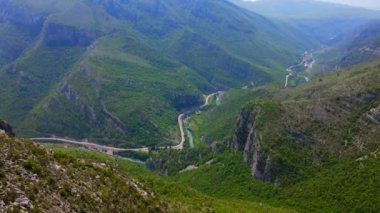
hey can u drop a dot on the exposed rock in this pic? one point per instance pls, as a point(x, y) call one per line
point(31, 180)
point(114, 119)
point(7, 128)
point(188, 168)
point(217, 147)
point(246, 139)
point(24, 202)
point(374, 114)
point(68, 92)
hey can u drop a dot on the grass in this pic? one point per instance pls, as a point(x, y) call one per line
point(176, 191)
point(128, 87)
point(305, 131)
point(217, 123)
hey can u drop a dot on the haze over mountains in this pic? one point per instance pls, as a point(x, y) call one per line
point(324, 21)
point(194, 90)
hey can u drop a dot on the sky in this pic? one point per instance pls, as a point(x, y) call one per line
point(370, 4)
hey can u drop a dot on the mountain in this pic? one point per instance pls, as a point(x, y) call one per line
point(317, 144)
point(306, 9)
point(329, 124)
point(119, 72)
point(360, 45)
point(324, 21)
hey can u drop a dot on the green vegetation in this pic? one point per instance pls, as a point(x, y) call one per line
point(325, 158)
point(219, 122)
point(347, 186)
point(182, 197)
point(35, 179)
point(360, 45)
point(227, 177)
point(93, 70)
point(344, 186)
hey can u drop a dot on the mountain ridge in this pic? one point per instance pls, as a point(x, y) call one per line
point(148, 38)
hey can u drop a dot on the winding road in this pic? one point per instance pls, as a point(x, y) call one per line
point(305, 62)
point(181, 124)
point(111, 150)
point(102, 148)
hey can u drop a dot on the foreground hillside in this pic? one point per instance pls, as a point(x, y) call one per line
point(34, 178)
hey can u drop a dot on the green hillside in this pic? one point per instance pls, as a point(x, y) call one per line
point(322, 139)
point(119, 72)
point(50, 178)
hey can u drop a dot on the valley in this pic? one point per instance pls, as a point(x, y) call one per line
point(189, 106)
point(299, 73)
point(113, 150)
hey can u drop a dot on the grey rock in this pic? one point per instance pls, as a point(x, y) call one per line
point(7, 128)
point(68, 92)
point(246, 139)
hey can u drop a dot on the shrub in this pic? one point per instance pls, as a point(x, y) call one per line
point(32, 166)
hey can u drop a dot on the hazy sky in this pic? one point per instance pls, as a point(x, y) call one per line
point(371, 4)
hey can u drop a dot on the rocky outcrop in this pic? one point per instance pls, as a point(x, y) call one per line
point(35, 179)
point(6, 128)
point(374, 114)
point(246, 139)
point(69, 92)
point(61, 35)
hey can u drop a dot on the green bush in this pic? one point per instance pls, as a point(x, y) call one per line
point(33, 167)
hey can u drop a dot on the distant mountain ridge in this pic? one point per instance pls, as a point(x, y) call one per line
point(306, 9)
point(360, 45)
point(324, 21)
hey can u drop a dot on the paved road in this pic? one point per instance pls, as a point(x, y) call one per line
point(207, 99)
point(102, 148)
point(111, 150)
point(181, 124)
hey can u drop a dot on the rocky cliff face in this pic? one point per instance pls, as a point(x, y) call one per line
point(286, 139)
point(246, 138)
point(6, 128)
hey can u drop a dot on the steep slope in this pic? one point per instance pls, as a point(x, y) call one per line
point(331, 122)
point(117, 71)
point(317, 145)
point(35, 179)
point(322, 120)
